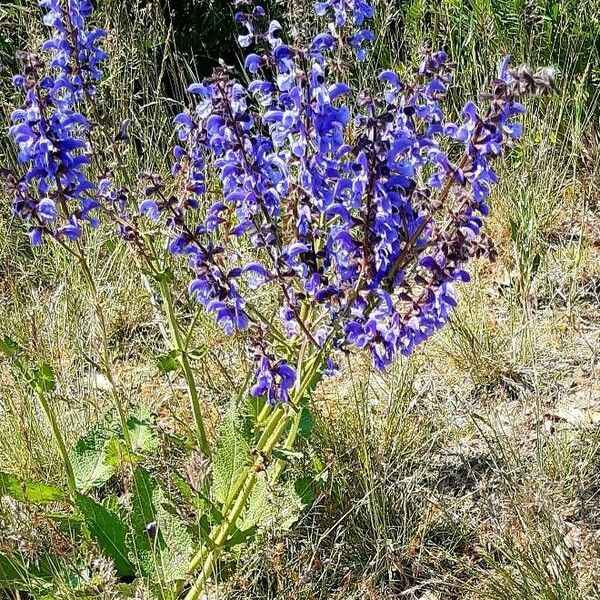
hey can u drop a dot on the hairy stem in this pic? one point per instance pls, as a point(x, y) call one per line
point(277, 424)
point(287, 445)
point(58, 438)
point(277, 421)
point(180, 345)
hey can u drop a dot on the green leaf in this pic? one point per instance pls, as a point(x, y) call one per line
point(319, 466)
point(28, 491)
point(98, 453)
point(107, 530)
point(162, 544)
point(185, 490)
point(43, 378)
point(142, 436)
point(305, 487)
point(255, 406)
point(241, 536)
point(89, 457)
point(196, 352)
point(9, 347)
point(290, 507)
point(169, 362)
point(307, 422)
point(231, 457)
point(117, 453)
point(260, 507)
point(209, 510)
point(282, 505)
point(15, 353)
point(205, 508)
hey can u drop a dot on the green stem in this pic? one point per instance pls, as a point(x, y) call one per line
point(269, 431)
point(262, 443)
point(58, 438)
point(277, 421)
point(263, 415)
point(220, 540)
point(181, 346)
point(277, 424)
point(288, 445)
point(81, 259)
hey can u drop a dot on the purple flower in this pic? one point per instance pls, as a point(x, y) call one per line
point(331, 369)
point(357, 212)
point(229, 315)
point(72, 43)
point(253, 63)
point(46, 208)
point(357, 41)
point(323, 41)
point(51, 136)
point(257, 275)
point(273, 380)
point(149, 208)
point(358, 9)
point(332, 195)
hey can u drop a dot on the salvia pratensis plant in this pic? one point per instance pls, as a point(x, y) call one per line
point(358, 211)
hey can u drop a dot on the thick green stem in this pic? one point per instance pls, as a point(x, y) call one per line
point(180, 346)
point(267, 409)
point(220, 540)
point(263, 442)
point(275, 420)
point(276, 425)
point(58, 438)
point(287, 445)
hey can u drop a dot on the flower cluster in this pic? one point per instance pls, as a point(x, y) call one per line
point(362, 208)
point(359, 208)
point(55, 195)
point(74, 49)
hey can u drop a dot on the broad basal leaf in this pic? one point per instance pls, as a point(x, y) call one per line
point(161, 545)
point(260, 507)
point(89, 456)
point(108, 530)
point(143, 438)
point(97, 454)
